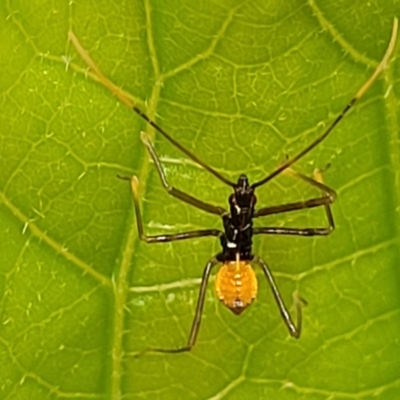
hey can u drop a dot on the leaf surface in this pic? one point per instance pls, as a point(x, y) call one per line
point(242, 85)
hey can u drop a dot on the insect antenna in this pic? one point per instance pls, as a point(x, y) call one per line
point(381, 66)
point(127, 99)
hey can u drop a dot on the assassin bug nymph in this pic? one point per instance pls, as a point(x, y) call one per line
point(236, 283)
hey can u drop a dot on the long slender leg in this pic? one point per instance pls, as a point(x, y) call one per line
point(163, 238)
point(294, 329)
point(328, 197)
point(294, 231)
point(197, 317)
point(175, 192)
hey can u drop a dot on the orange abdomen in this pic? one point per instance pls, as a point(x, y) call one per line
point(236, 285)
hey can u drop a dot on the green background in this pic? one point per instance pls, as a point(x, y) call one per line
point(242, 84)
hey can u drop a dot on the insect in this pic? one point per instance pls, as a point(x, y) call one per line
point(236, 283)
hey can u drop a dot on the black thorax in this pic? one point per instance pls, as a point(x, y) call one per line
point(238, 225)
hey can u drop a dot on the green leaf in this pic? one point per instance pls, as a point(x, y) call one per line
point(241, 84)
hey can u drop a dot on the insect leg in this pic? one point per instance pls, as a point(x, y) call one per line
point(197, 317)
point(175, 192)
point(272, 230)
point(328, 197)
point(163, 238)
point(294, 329)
